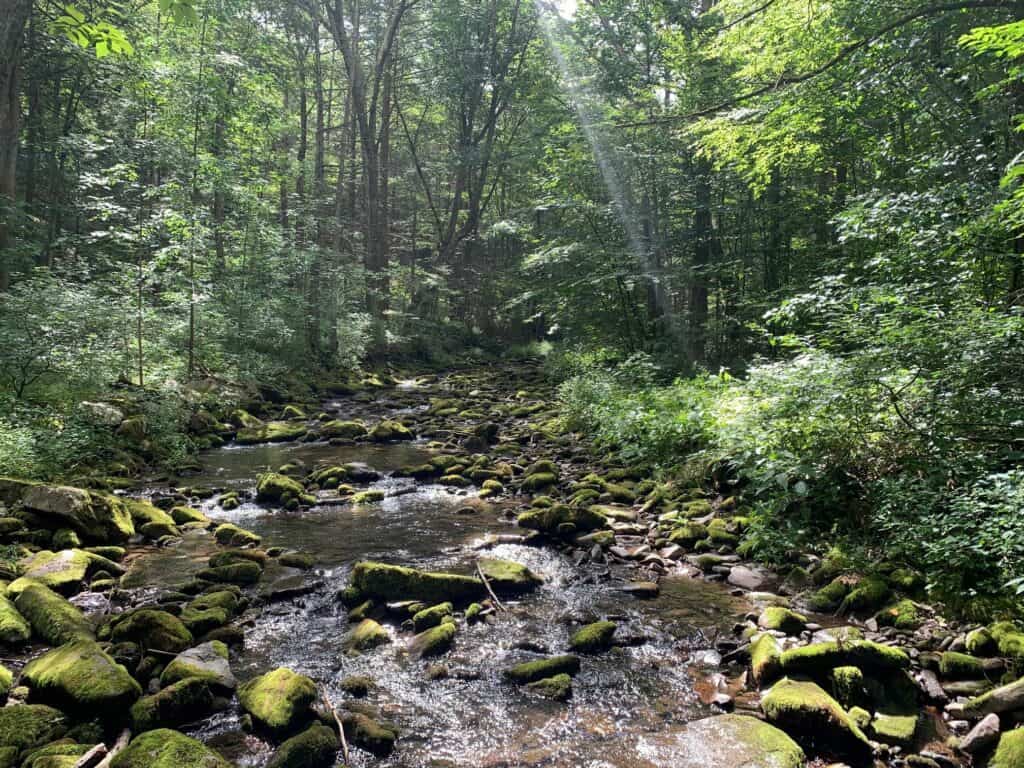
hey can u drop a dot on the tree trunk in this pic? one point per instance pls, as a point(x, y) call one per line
point(13, 19)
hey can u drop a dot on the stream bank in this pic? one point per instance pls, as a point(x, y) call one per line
point(632, 592)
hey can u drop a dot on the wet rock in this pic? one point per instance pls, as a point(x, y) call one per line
point(231, 535)
point(357, 685)
point(816, 721)
point(349, 430)
point(645, 590)
point(819, 658)
point(271, 432)
point(275, 487)
point(94, 516)
point(365, 635)
point(961, 666)
point(52, 618)
point(241, 572)
point(765, 657)
point(164, 748)
point(434, 641)
point(726, 741)
point(24, 726)
point(389, 430)
point(531, 671)
point(14, 628)
point(779, 619)
point(80, 677)
point(316, 747)
point(895, 729)
point(556, 688)
point(153, 630)
point(593, 638)
point(1006, 698)
point(182, 702)
point(304, 561)
point(747, 578)
point(982, 737)
point(393, 582)
point(367, 733)
point(279, 700)
point(431, 617)
point(184, 515)
point(508, 577)
point(64, 571)
point(207, 662)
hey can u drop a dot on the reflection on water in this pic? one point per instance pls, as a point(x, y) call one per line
point(471, 718)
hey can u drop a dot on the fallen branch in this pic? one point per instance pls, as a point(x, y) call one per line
point(490, 591)
point(120, 744)
point(341, 727)
point(90, 758)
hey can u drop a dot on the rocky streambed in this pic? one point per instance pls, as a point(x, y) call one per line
point(432, 570)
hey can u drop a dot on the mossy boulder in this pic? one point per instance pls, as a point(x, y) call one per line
point(538, 481)
point(902, 614)
point(199, 621)
point(780, 619)
point(960, 666)
point(272, 486)
point(365, 635)
point(94, 516)
point(1010, 750)
point(367, 733)
point(820, 658)
point(368, 497)
point(182, 702)
point(316, 747)
point(1005, 698)
point(508, 577)
point(431, 617)
point(271, 432)
point(895, 729)
point(730, 741)
point(280, 700)
point(183, 515)
point(14, 628)
point(829, 597)
point(24, 726)
point(389, 430)
point(433, 641)
point(384, 582)
point(979, 642)
point(816, 721)
point(64, 571)
point(240, 572)
point(593, 638)
point(556, 688)
point(1009, 638)
point(848, 686)
point(688, 534)
point(80, 677)
point(144, 512)
point(53, 619)
point(232, 536)
point(153, 630)
point(868, 595)
point(765, 657)
point(531, 671)
point(345, 430)
point(164, 748)
point(207, 662)
point(561, 519)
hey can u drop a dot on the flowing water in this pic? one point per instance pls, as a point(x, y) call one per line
point(651, 682)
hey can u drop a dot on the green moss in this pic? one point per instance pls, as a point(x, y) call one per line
point(688, 534)
point(52, 618)
point(1010, 750)
point(830, 596)
point(23, 726)
point(302, 560)
point(229, 556)
point(1005, 698)
point(316, 747)
point(473, 612)
point(1009, 638)
point(816, 721)
point(182, 702)
point(14, 629)
point(764, 658)
point(389, 430)
point(183, 515)
point(271, 432)
point(552, 519)
point(94, 516)
point(593, 638)
point(164, 748)
point(346, 430)
point(433, 641)
point(232, 536)
point(848, 686)
point(897, 730)
point(906, 580)
point(779, 619)
point(365, 635)
point(63, 571)
point(58, 754)
point(366, 733)
point(199, 621)
point(144, 512)
point(274, 487)
point(80, 677)
point(242, 572)
point(980, 642)
point(279, 700)
point(153, 630)
point(431, 617)
point(531, 671)
point(368, 497)
point(901, 615)
point(556, 688)
point(820, 658)
point(394, 582)
point(960, 666)
point(870, 594)
point(508, 577)
point(538, 481)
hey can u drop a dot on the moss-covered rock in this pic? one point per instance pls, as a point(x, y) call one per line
point(367, 733)
point(304, 561)
point(688, 534)
point(897, 730)
point(431, 617)
point(960, 666)
point(53, 619)
point(593, 638)
point(199, 621)
point(365, 635)
point(207, 662)
point(1010, 750)
point(272, 486)
point(389, 430)
point(14, 628)
point(183, 515)
point(164, 748)
point(232, 536)
point(80, 677)
point(868, 595)
point(780, 619)
point(821, 658)
point(764, 659)
point(316, 747)
point(240, 572)
point(271, 432)
point(538, 482)
point(562, 519)
point(63, 571)
point(144, 512)
point(848, 686)
point(94, 516)
point(902, 614)
point(385, 582)
point(729, 741)
point(1005, 698)
point(368, 497)
point(346, 430)
point(508, 577)
point(816, 721)
point(279, 700)
point(24, 726)
point(556, 688)
point(531, 671)
point(979, 642)
point(1009, 638)
point(433, 641)
point(829, 597)
point(153, 630)
point(182, 702)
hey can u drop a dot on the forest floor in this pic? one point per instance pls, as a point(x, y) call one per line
point(433, 564)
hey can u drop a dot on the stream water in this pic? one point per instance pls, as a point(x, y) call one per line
point(469, 718)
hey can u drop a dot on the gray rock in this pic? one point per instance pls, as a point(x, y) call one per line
point(747, 578)
point(982, 737)
point(725, 741)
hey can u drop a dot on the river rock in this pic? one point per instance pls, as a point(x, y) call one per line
point(434, 641)
point(279, 700)
point(531, 671)
point(24, 726)
point(1006, 698)
point(724, 741)
point(14, 628)
point(271, 432)
point(182, 702)
point(63, 571)
point(747, 578)
point(316, 747)
point(365, 635)
point(982, 736)
point(1010, 751)
point(53, 619)
point(508, 577)
point(593, 638)
point(207, 662)
point(164, 748)
point(82, 678)
point(152, 629)
point(94, 516)
point(394, 582)
point(644, 590)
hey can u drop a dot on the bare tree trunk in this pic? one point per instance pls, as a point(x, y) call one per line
point(13, 18)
